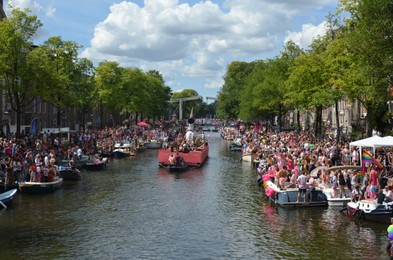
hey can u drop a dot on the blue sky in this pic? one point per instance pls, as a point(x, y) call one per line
point(190, 42)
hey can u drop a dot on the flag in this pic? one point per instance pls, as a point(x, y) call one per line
point(367, 157)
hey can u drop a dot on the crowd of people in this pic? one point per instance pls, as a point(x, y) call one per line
point(35, 158)
point(293, 159)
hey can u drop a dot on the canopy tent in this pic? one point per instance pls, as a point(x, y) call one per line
point(385, 141)
point(367, 142)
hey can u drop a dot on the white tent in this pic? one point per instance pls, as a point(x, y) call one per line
point(385, 141)
point(367, 142)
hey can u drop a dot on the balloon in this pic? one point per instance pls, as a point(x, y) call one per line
point(390, 229)
point(266, 177)
point(269, 192)
point(390, 235)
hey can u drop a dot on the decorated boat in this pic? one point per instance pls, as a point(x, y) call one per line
point(69, 174)
point(288, 197)
point(194, 158)
point(7, 197)
point(371, 210)
point(41, 187)
point(96, 164)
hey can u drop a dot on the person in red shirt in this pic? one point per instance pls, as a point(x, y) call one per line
point(373, 182)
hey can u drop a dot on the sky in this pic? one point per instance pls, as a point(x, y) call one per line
point(190, 42)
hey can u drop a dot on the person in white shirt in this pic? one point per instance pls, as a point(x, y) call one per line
point(388, 194)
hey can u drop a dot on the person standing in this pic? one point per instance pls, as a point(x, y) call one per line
point(302, 185)
point(373, 182)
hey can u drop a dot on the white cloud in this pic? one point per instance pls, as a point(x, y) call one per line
point(306, 36)
point(196, 40)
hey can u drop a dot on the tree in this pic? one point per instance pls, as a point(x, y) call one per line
point(16, 68)
point(234, 82)
point(66, 74)
point(367, 36)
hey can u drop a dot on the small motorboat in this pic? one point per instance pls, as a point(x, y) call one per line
point(40, 187)
point(97, 164)
point(371, 210)
point(69, 174)
point(7, 197)
point(123, 150)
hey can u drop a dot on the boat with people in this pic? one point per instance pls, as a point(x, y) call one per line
point(96, 164)
point(288, 197)
point(41, 187)
point(236, 145)
point(78, 161)
point(333, 198)
point(191, 157)
point(370, 210)
point(123, 150)
point(7, 197)
point(69, 174)
point(195, 158)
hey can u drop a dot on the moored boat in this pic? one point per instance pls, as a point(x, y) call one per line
point(7, 197)
point(40, 187)
point(96, 164)
point(337, 201)
point(123, 150)
point(288, 197)
point(66, 173)
point(371, 210)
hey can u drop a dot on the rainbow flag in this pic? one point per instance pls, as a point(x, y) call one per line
point(367, 157)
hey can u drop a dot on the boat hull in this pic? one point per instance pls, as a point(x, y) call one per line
point(191, 159)
point(121, 154)
point(288, 197)
point(8, 196)
point(40, 187)
point(70, 175)
point(337, 202)
point(97, 166)
point(370, 211)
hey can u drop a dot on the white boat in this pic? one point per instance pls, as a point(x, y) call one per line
point(40, 187)
point(337, 202)
point(247, 157)
point(123, 150)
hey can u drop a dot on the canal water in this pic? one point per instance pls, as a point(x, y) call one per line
point(135, 210)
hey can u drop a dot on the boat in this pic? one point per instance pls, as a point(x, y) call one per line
point(152, 144)
point(79, 162)
point(192, 159)
point(66, 173)
point(236, 145)
point(329, 192)
point(97, 164)
point(247, 157)
point(288, 197)
point(7, 197)
point(40, 187)
point(123, 150)
point(337, 202)
point(371, 210)
point(177, 168)
point(6, 187)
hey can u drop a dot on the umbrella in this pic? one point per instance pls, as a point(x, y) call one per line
point(142, 123)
